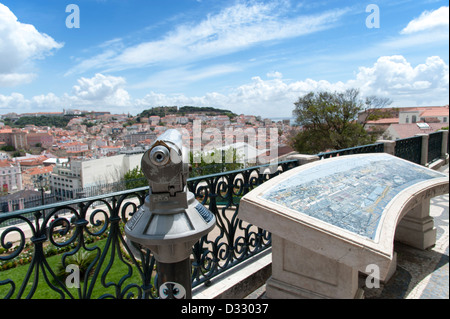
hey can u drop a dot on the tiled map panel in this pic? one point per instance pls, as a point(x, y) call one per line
point(351, 192)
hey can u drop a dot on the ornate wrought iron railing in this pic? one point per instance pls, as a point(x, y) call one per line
point(409, 149)
point(434, 146)
point(234, 240)
point(372, 148)
point(39, 244)
point(86, 233)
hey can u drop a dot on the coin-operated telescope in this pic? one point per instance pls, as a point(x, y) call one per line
point(171, 220)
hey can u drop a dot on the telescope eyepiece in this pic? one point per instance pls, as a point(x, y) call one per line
point(159, 155)
point(166, 164)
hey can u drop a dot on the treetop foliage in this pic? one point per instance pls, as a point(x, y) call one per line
point(166, 110)
point(52, 121)
point(329, 120)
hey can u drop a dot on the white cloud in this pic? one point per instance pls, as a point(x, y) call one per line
point(395, 77)
point(390, 76)
point(428, 20)
point(274, 74)
point(13, 101)
point(20, 43)
point(233, 29)
point(101, 88)
point(13, 79)
point(272, 97)
point(99, 92)
point(47, 100)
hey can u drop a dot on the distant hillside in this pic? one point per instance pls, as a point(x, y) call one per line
point(166, 110)
point(52, 121)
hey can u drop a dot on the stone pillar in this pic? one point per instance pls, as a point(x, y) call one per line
point(416, 228)
point(444, 143)
point(21, 203)
point(424, 151)
point(389, 146)
point(303, 158)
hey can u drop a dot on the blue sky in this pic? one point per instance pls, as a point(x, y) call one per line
point(249, 56)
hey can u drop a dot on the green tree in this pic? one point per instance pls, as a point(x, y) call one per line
point(56, 121)
point(229, 160)
point(8, 148)
point(135, 178)
point(82, 259)
point(329, 120)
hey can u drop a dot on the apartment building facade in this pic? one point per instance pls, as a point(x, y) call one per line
point(43, 139)
point(10, 177)
point(68, 180)
point(65, 179)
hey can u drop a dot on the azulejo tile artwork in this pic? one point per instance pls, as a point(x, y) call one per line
point(350, 193)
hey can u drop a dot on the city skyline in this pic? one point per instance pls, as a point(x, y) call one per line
point(251, 57)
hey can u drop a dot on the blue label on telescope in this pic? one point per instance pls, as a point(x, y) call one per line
point(204, 212)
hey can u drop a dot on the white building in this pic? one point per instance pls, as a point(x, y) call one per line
point(108, 169)
point(69, 178)
point(66, 179)
point(424, 114)
point(10, 177)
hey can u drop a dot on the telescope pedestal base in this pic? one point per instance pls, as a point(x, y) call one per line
point(174, 280)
